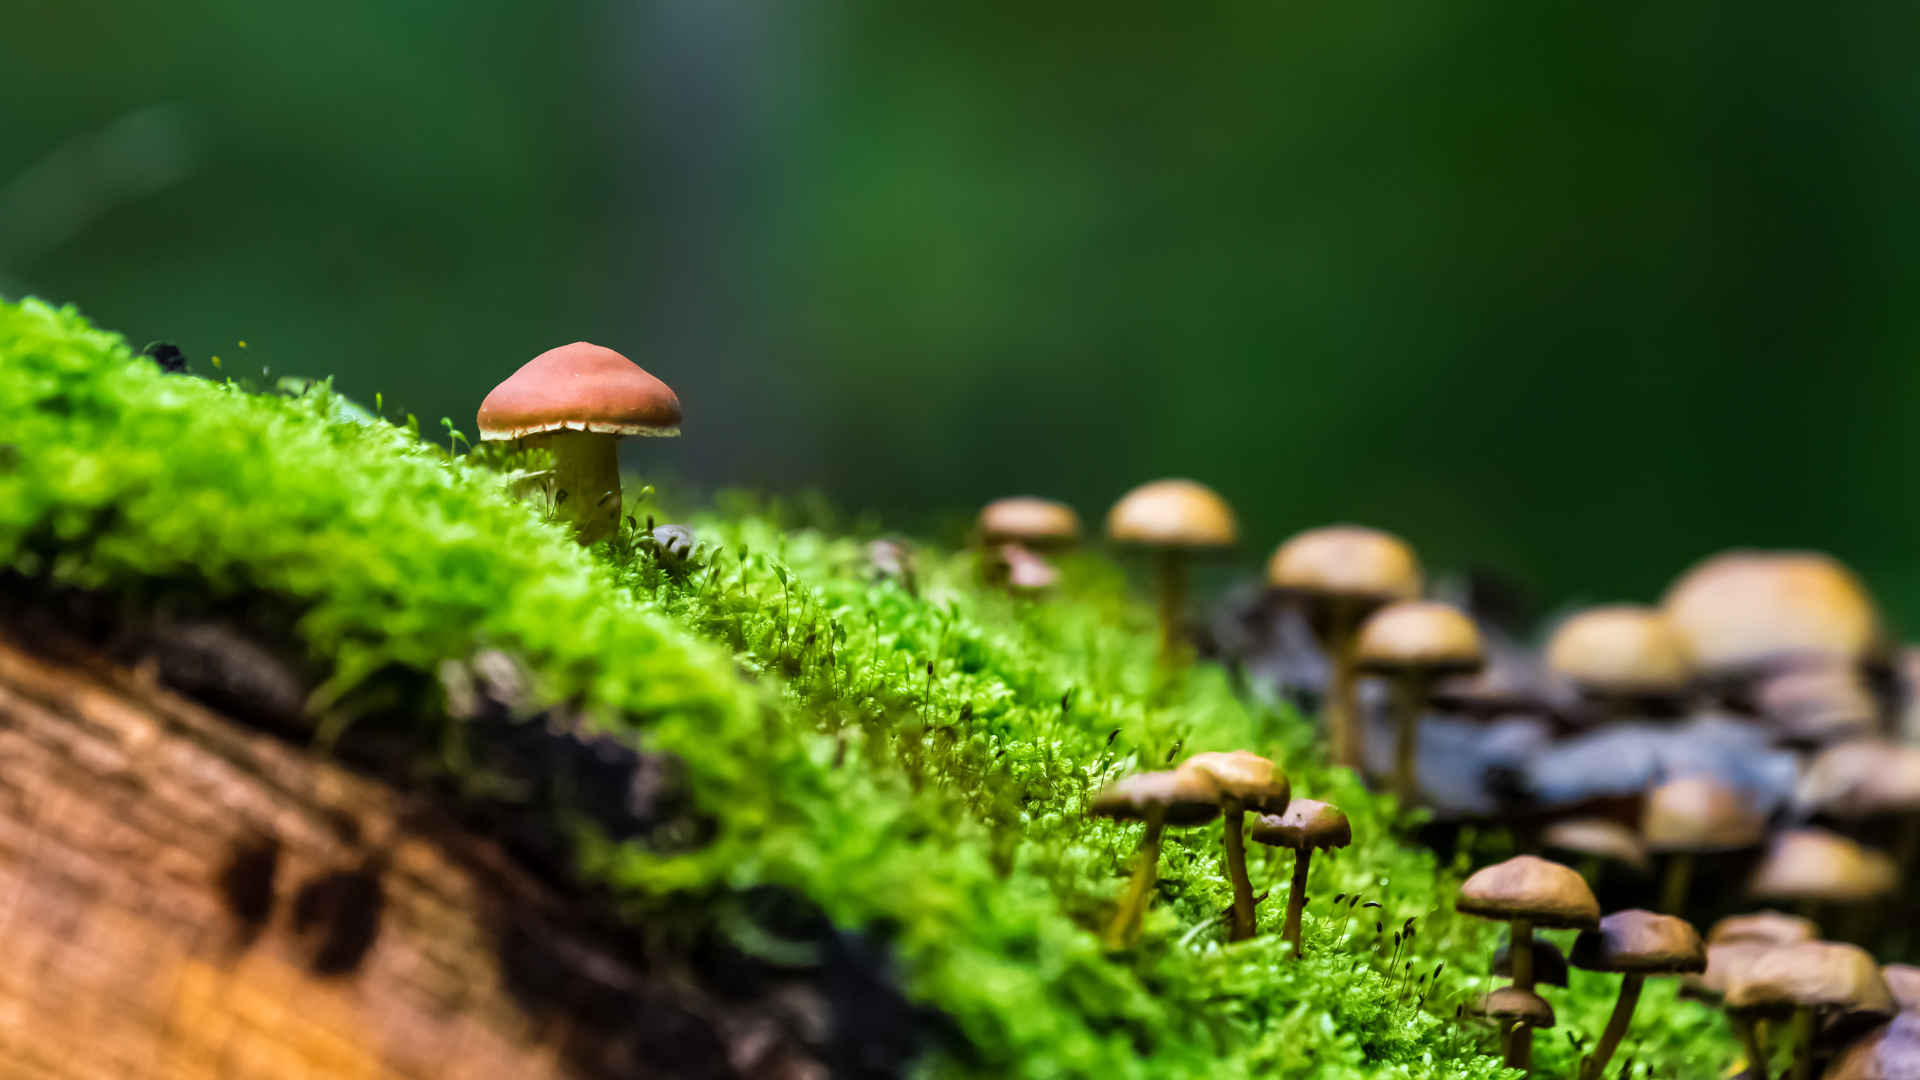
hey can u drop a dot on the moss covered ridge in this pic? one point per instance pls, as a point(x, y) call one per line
point(913, 762)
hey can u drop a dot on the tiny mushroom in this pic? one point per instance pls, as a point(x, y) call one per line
point(1742, 611)
point(1904, 981)
point(1888, 1052)
point(1527, 891)
point(1596, 839)
point(1621, 656)
point(1817, 704)
point(1175, 518)
point(1246, 781)
point(1517, 1011)
point(1764, 928)
point(1306, 826)
point(1635, 944)
point(1814, 866)
point(1838, 981)
point(1415, 643)
point(1868, 779)
point(1172, 797)
point(1549, 963)
point(1016, 533)
point(1343, 573)
point(1692, 816)
point(576, 401)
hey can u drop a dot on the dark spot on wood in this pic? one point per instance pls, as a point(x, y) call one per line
point(247, 880)
point(341, 910)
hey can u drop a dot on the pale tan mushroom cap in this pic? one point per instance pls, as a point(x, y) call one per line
point(579, 387)
point(1307, 824)
point(1728, 961)
point(1819, 703)
point(1816, 973)
point(1603, 837)
point(1862, 779)
point(1514, 1005)
point(1038, 524)
point(1698, 814)
point(1743, 609)
point(1172, 513)
point(1814, 864)
point(1904, 981)
point(1347, 561)
point(1419, 635)
point(1529, 887)
point(1183, 798)
point(1621, 649)
point(1641, 943)
point(1246, 777)
point(1763, 928)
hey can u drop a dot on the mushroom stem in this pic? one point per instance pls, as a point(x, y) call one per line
point(1673, 893)
point(1343, 726)
point(1616, 1030)
point(1750, 1040)
point(1236, 841)
point(586, 480)
point(1126, 921)
point(1802, 1043)
point(1296, 899)
point(1520, 955)
point(1170, 568)
point(1409, 697)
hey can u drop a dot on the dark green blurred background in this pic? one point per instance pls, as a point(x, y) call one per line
point(1580, 292)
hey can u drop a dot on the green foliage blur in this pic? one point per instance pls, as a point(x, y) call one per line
point(1578, 293)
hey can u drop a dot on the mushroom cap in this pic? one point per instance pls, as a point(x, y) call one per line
point(1621, 649)
point(1419, 635)
point(1246, 777)
point(1642, 943)
point(1549, 966)
point(1026, 572)
point(1862, 779)
point(1822, 974)
point(1184, 797)
point(1744, 609)
point(1763, 928)
point(1037, 524)
point(1814, 864)
point(1699, 814)
point(1172, 513)
point(1514, 1005)
point(1307, 824)
point(1819, 703)
point(1347, 561)
point(1728, 961)
point(1904, 981)
point(1888, 1052)
point(1604, 837)
point(1528, 887)
point(579, 387)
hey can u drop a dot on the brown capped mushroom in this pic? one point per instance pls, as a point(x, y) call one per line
point(1817, 866)
point(1636, 944)
point(1549, 964)
point(576, 401)
point(1818, 703)
point(1246, 781)
point(1598, 838)
point(1175, 518)
point(1527, 891)
point(1691, 816)
point(1517, 1012)
point(1763, 928)
point(1742, 611)
point(1173, 797)
point(1621, 656)
point(1344, 573)
point(1307, 826)
point(1415, 643)
point(1904, 981)
point(1813, 977)
point(1016, 533)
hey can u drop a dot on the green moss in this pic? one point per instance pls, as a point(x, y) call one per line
point(919, 763)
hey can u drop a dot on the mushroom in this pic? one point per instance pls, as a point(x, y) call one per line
point(1763, 928)
point(1635, 944)
point(1743, 611)
point(1415, 643)
point(1176, 797)
point(1814, 866)
point(1596, 839)
point(577, 401)
point(1621, 656)
point(1549, 964)
point(1016, 533)
point(1344, 573)
point(1518, 1012)
point(1814, 976)
point(1175, 518)
point(1889, 1052)
point(1306, 826)
point(1527, 891)
point(1818, 704)
point(1868, 779)
point(1904, 981)
point(1246, 781)
point(1692, 816)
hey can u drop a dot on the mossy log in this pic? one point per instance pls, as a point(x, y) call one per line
point(184, 897)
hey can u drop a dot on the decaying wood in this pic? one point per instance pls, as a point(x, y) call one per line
point(183, 897)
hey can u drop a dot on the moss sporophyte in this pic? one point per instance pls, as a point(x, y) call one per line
point(917, 754)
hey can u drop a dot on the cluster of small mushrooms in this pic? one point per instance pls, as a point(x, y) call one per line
point(1747, 722)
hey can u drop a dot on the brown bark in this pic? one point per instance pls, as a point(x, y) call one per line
point(182, 897)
